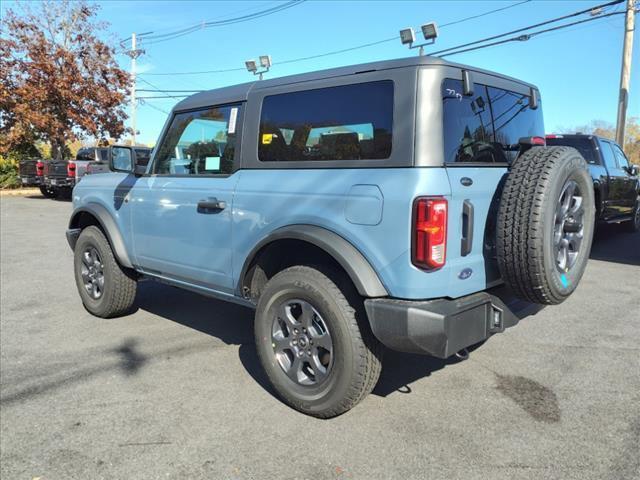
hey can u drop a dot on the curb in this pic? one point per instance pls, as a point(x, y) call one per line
point(20, 192)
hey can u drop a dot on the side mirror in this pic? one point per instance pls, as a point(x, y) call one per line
point(633, 170)
point(121, 159)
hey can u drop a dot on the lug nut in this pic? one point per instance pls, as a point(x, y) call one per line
point(304, 330)
point(295, 330)
point(308, 352)
point(310, 342)
point(300, 353)
point(295, 342)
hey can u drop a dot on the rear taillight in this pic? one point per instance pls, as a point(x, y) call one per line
point(39, 169)
point(429, 242)
point(71, 169)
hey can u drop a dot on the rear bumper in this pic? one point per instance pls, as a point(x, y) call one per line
point(59, 182)
point(443, 327)
point(31, 181)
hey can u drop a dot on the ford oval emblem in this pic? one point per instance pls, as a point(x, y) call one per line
point(464, 274)
point(466, 181)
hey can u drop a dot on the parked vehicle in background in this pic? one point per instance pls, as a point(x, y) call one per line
point(31, 172)
point(379, 204)
point(117, 157)
point(615, 179)
point(62, 175)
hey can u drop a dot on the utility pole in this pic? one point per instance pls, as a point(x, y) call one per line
point(134, 53)
point(625, 74)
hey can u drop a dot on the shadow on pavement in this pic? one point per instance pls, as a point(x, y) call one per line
point(612, 243)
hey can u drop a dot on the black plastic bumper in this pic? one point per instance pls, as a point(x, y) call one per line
point(443, 327)
point(31, 181)
point(60, 182)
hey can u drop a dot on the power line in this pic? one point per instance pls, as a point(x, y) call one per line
point(546, 22)
point(344, 50)
point(162, 96)
point(525, 37)
point(167, 91)
point(153, 39)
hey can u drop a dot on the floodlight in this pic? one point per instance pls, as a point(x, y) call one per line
point(407, 36)
point(265, 61)
point(430, 31)
point(251, 65)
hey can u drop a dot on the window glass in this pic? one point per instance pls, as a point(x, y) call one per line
point(122, 158)
point(467, 125)
point(583, 144)
point(485, 127)
point(608, 156)
point(200, 142)
point(142, 156)
point(85, 154)
point(513, 119)
point(620, 158)
point(103, 154)
point(351, 122)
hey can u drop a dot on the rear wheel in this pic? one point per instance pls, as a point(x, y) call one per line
point(634, 224)
point(106, 289)
point(314, 342)
point(47, 192)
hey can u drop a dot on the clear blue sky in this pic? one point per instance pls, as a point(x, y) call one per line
point(577, 69)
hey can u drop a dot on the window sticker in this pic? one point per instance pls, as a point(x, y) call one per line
point(212, 163)
point(233, 117)
point(267, 138)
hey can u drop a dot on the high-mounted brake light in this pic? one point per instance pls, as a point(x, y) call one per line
point(39, 168)
point(429, 242)
point(71, 169)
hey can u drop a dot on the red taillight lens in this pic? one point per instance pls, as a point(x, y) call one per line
point(538, 141)
point(429, 245)
point(71, 169)
point(39, 169)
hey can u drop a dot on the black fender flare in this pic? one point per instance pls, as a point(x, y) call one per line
point(362, 274)
point(109, 227)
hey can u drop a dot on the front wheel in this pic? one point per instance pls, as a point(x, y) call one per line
point(106, 289)
point(314, 343)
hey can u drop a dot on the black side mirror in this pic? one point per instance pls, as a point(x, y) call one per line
point(632, 170)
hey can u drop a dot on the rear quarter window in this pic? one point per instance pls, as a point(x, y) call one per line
point(480, 128)
point(350, 122)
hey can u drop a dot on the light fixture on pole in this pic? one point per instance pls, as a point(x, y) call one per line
point(429, 31)
point(265, 63)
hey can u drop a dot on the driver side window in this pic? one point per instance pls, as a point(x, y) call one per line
point(200, 142)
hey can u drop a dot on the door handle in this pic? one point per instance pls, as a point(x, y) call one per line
point(211, 205)
point(466, 244)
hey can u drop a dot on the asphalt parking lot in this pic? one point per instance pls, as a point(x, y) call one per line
point(175, 390)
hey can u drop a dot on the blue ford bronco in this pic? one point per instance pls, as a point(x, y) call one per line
point(410, 203)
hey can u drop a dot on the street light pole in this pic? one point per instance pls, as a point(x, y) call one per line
point(625, 74)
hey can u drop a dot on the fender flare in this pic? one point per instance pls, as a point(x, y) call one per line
point(109, 227)
point(362, 274)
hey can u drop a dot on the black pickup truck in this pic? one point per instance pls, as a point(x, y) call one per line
point(31, 172)
point(615, 180)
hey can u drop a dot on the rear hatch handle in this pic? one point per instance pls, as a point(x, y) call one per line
point(466, 244)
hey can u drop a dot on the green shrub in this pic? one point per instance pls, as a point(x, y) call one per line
point(9, 175)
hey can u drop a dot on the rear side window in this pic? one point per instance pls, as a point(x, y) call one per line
point(620, 157)
point(583, 144)
point(486, 126)
point(200, 142)
point(351, 122)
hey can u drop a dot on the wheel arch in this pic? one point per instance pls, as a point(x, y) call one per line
point(96, 214)
point(317, 243)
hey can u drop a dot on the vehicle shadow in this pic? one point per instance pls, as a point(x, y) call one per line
point(612, 243)
point(233, 324)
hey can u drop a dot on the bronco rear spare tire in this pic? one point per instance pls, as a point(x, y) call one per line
point(545, 224)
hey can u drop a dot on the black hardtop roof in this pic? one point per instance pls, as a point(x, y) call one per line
point(239, 93)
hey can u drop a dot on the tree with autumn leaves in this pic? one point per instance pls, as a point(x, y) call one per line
point(59, 81)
